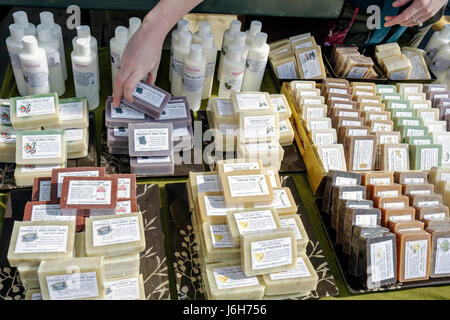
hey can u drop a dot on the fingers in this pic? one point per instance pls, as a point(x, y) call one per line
point(119, 82)
point(403, 18)
point(130, 85)
point(400, 3)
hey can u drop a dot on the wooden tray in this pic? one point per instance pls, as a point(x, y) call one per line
point(7, 169)
point(153, 259)
point(187, 271)
point(353, 283)
point(292, 160)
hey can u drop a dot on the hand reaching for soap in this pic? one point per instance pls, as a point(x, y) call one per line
point(143, 52)
point(417, 13)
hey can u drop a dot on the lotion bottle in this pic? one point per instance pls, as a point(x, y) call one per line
point(203, 28)
point(85, 32)
point(441, 61)
point(21, 18)
point(34, 66)
point(228, 38)
point(14, 46)
point(240, 41)
point(180, 50)
point(84, 72)
point(182, 25)
point(194, 76)
point(116, 46)
point(47, 20)
point(255, 27)
point(233, 72)
point(51, 47)
point(256, 63)
point(133, 24)
point(438, 39)
point(210, 53)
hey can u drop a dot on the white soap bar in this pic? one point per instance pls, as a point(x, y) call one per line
point(286, 132)
point(24, 175)
point(324, 136)
point(259, 127)
point(251, 102)
point(218, 246)
point(281, 105)
point(41, 147)
point(125, 288)
point(77, 140)
point(269, 153)
point(332, 156)
point(74, 113)
point(318, 123)
point(293, 221)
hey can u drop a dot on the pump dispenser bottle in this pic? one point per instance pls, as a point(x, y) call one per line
point(133, 24)
point(180, 50)
point(240, 41)
point(441, 61)
point(438, 39)
point(84, 72)
point(233, 72)
point(255, 27)
point(21, 18)
point(194, 76)
point(85, 32)
point(117, 46)
point(182, 25)
point(14, 46)
point(256, 63)
point(203, 28)
point(51, 47)
point(34, 66)
point(47, 20)
point(210, 53)
point(228, 38)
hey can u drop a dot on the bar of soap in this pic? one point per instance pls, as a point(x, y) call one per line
point(77, 140)
point(126, 185)
point(338, 178)
point(332, 156)
point(148, 99)
point(218, 244)
point(397, 67)
point(403, 121)
point(34, 112)
point(33, 241)
point(396, 213)
point(437, 174)
point(240, 187)
point(421, 201)
point(74, 113)
point(283, 203)
point(313, 111)
point(368, 99)
point(176, 112)
point(41, 189)
point(111, 236)
point(385, 88)
point(323, 136)
point(122, 115)
point(202, 182)
point(398, 202)
point(418, 96)
point(405, 113)
point(440, 242)
point(318, 123)
point(431, 223)
point(380, 125)
point(344, 193)
point(340, 104)
point(377, 178)
point(413, 131)
point(417, 189)
point(413, 255)
point(50, 211)
point(377, 115)
point(41, 147)
point(396, 226)
point(370, 106)
point(58, 175)
point(152, 139)
point(418, 140)
point(394, 157)
point(340, 112)
point(7, 144)
point(443, 139)
point(424, 157)
point(125, 288)
point(438, 211)
point(428, 114)
point(281, 105)
point(306, 92)
point(347, 121)
point(33, 294)
point(393, 190)
point(25, 175)
point(410, 177)
point(268, 252)
point(360, 152)
point(259, 127)
point(251, 102)
point(310, 63)
point(72, 279)
point(152, 166)
point(213, 209)
point(350, 131)
point(223, 111)
point(293, 221)
point(307, 100)
point(420, 104)
point(28, 271)
point(286, 133)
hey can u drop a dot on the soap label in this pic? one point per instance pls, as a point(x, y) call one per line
point(50, 212)
point(310, 63)
point(229, 167)
point(377, 126)
point(286, 70)
point(416, 259)
point(280, 201)
point(398, 105)
point(225, 107)
point(124, 112)
point(405, 217)
point(420, 192)
point(387, 194)
point(120, 132)
point(348, 114)
point(193, 79)
point(142, 160)
point(414, 180)
point(34, 239)
point(149, 94)
point(415, 133)
point(394, 205)
point(284, 127)
point(5, 115)
point(429, 158)
point(215, 206)
point(380, 181)
point(323, 138)
point(331, 159)
point(35, 106)
point(363, 155)
point(366, 220)
point(278, 104)
point(220, 235)
point(174, 110)
point(35, 75)
point(115, 231)
point(43, 146)
point(434, 216)
point(301, 271)
point(151, 139)
point(397, 159)
point(248, 185)
point(319, 124)
point(73, 286)
point(84, 192)
point(74, 135)
point(312, 101)
point(442, 256)
point(422, 204)
point(343, 106)
point(271, 253)
point(208, 183)
point(314, 112)
point(232, 277)
point(71, 110)
point(259, 127)
point(291, 223)
point(252, 102)
point(62, 175)
point(31, 168)
point(389, 139)
point(123, 188)
point(351, 195)
point(344, 181)
point(382, 261)
point(254, 221)
point(337, 90)
point(123, 289)
point(44, 190)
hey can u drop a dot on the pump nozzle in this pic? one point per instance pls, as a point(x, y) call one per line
point(255, 27)
point(235, 26)
point(17, 31)
point(240, 38)
point(82, 47)
point(47, 18)
point(121, 34)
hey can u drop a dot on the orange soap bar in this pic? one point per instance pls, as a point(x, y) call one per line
point(391, 190)
point(396, 226)
point(377, 178)
point(440, 239)
point(399, 202)
point(405, 214)
point(413, 255)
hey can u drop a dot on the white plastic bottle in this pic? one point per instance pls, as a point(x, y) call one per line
point(34, 66)
point(85, 32)
point(194, 76)
point(180, 50)
point(47, 20)
point(256, 63)
point(51, 46)
point(233, 72)
point(255, 27)
point(240, 41)
point(441, 61)
point(182, 25)
point(228, 38)
point(85, 73)
point(203, 28)
point(133, 24)
point(21, 18)
point(438, 39)
point(116, 46)
point(210, 54)
point(14, 46)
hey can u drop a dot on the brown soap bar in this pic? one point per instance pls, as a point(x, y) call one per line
point(421, 201)
point(337, 178)
point(41, 189)
point(345, 193)
point(392, 190)
point(377, 178)
point(440, 252)
point(396, 226)
point(399, 202)
point(394, 157)
point(343, 205)
point(410, 177)
point(337, 82)
point(334, 89)
point(339, 112)
point(432, 223)
point(435, 212)
point(369, 99)
point(404, 214)
point(337, 97)
point(413, 255)
point(371, 106)
point(360, 151)
point(347, 121)
point(348, 131)
point(417, 189)
point(342, 104)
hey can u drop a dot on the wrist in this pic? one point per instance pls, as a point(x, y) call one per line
point(156, 25)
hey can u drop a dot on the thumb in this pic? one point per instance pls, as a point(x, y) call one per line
point(400, 3)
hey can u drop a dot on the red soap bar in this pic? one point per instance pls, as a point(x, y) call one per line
point(126, 186)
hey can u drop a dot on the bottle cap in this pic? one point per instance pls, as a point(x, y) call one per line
point(44, 33)
point(235, 26)
point(47, 18)
point(121, 34)
point(260, 39)
point(82, 47)
point(196, 52)
point(185, 39)
point(240, 38)
point(235, 53)
point(30, 44)
point(207, 40)
point(17, 31)
point(20, 17)
point(83, 31)
point(183, 25)
point(204, 27)
point(134, 23)
point(255, 27)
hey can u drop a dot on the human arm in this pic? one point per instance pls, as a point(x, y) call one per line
point(419, 10)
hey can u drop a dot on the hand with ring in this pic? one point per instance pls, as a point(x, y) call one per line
point(416, 14)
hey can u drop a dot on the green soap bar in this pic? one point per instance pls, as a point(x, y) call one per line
point(397, 104)
point(391, 96)
point(385, 88)
point(407, 121)
point(402, 113)
point(418, 140)
point(424, 157)
point(413, 131)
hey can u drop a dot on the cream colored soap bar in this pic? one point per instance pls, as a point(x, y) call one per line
point(269, 153)
point(201, 182)
point(268, 252)
point(302, 84)
point(125, 288)
point(74, 113)
point(314, 111)
point(293, 221)
point(251, 102)
point(114, 235)
point(240, 187)
point(33, 241)
point(72, 279)
point(318, 123)
point(77, 140)
point(281, 105)
point(28, 271)
point(332, 156)
point(33, 294)
point(41, 147)
point(263, 126)
point(324, 136)
point(283, 203)
point(212, 207)
point(286, 133)
point(7, 144)
point(218, 246)
point(24, 175)
point(223, 111)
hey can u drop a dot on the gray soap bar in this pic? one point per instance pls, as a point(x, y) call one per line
point(344, 193)
point(342, 206)
point(117, 138)
point(122, 115)
point(122, 151)
point(177, 112)
point(338, 178)
point(150, 139)
point(152, 166)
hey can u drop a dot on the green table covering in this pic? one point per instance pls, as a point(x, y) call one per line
point(8, 89)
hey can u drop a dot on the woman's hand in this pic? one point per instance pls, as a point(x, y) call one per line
point(417, 13)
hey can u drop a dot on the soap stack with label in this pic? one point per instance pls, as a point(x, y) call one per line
point(251, 241)
point(349, 63)
point(396, 65)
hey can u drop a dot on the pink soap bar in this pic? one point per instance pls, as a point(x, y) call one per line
point(117, 138)
point(150, 139)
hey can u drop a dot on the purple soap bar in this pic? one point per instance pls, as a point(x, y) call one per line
point(444, 110)
point(121, 151)
point(122, 115)
point(447, 118)
point(432, 87)
point(150, 139)
point(152, 166)
point(442, 101)
point(434, 95)
point(117, 138)
point(148, 99)
point(176, 112)
point(183, 138)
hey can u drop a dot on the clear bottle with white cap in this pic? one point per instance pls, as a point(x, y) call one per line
point(255, 27)
point(210, 54)
point(233, 72)
point(34, 66)
point(203, 28)
point(21, 18)
point(182, 25)
point(256, 63)
point(116, 46)
point(48, 20)
point(194, 76)
point(180, 50)
point(240, 41)
point(228, 39)
point(84, 72)
point(14, 46)
point(51, 46)
point(438, 39)
point(133, 24)
point(85, 32)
